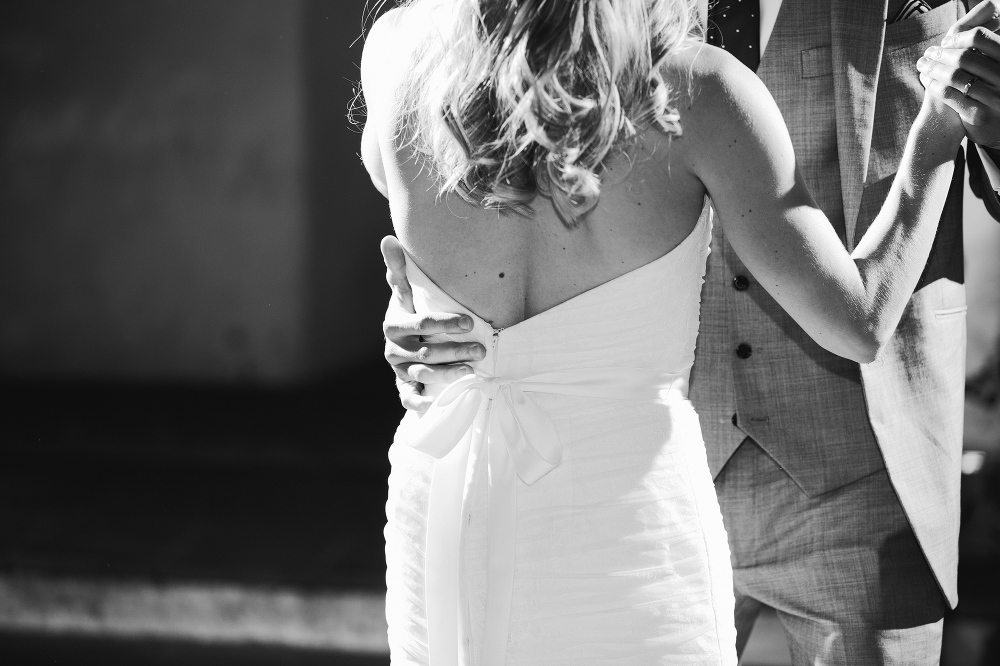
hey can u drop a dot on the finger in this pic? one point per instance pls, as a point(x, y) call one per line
point(401, 372)
point(416, 403)
point(979, 101)
point(977, 40)
point(399, 326)
point(972, 89)
point(433, 353)
point(945, 93)
point(411, 396)
point(976, 97)
point(969, 110)
point(981, 38)
point(960, 65)
point(944, 73)
point(437, 374)
point(395, 264)
point(396, 314)
point(985, 14)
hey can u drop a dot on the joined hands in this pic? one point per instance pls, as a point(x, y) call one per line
point(964, 73)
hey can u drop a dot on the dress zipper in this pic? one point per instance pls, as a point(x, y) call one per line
point(496, 340)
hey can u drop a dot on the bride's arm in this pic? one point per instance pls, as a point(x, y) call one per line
point(738, 146)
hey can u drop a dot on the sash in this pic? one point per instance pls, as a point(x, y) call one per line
point(521, 443)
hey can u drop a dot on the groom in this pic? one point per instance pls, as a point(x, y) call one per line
point(839, 483)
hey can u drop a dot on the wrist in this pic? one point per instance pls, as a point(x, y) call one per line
point(937, 129)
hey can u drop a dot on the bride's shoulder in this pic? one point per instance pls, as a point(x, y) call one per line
point(395, 24)
point(391, 41)
point(711, 89)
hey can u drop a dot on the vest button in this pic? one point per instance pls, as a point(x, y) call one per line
point(736, 420)
point(741, 283)
point(744, 350)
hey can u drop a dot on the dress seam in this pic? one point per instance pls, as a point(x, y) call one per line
point(710, 566)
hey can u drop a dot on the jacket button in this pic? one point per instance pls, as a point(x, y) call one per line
point(741, 283)
point(744, 350)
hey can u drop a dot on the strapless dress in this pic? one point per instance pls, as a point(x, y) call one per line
point(556, 507)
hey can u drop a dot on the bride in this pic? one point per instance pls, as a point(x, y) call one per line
point(549, 166)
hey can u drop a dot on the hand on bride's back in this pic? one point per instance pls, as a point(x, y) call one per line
point(415, 361)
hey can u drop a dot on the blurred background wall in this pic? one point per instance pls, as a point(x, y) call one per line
point(180, 193)
point(982, 278)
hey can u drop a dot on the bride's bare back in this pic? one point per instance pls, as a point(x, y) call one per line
point(507, 268)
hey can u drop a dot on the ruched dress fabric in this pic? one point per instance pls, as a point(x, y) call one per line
point(557, 507)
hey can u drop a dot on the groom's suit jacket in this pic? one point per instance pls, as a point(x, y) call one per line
point(847, 86)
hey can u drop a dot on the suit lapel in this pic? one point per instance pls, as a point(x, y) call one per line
point(858, 32)
point(782, 48)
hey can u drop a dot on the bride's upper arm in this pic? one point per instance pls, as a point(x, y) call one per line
point(745, 157)
point(746, 161)
point(376, 75)
point(371, 156)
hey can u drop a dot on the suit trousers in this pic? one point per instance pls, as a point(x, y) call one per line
point(843, 570)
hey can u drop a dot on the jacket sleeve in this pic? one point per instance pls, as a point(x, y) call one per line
point(979, 183)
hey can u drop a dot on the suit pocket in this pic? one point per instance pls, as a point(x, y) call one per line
point(817, 62)
point(920, 28)
point(949, 313)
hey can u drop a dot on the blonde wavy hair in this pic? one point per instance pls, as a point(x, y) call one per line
point(509, 98)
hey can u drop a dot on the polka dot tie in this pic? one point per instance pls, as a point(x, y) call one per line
point(735, 26)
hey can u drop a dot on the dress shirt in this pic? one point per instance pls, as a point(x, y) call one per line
point(992, 172)
point(768, 15)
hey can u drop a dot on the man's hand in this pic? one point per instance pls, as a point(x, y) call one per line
point(414, 361)
point(964, 72)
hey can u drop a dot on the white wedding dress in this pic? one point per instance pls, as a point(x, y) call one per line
point(556, 507)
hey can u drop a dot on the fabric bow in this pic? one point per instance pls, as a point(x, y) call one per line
point(522, 442)
point(530, 437)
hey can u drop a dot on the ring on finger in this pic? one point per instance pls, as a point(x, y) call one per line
point(968, 86)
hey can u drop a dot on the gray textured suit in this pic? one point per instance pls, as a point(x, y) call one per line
point(826, 470)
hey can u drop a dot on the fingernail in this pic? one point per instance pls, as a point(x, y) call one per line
point(948, 41)
point(922, 64)
point(477, 352)
point(933, 52)
point(465, 323)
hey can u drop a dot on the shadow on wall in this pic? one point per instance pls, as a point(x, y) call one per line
point(347, 292)
point(180, 193)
